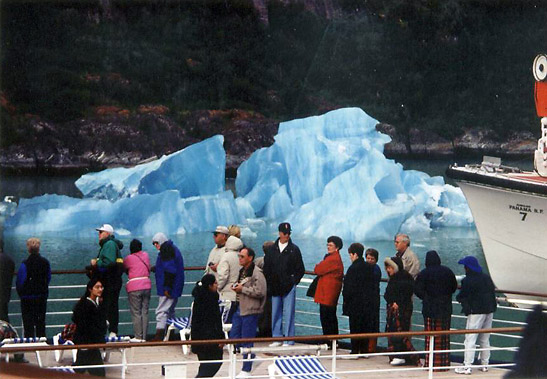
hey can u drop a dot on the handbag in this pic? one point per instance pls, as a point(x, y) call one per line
point(312, 287)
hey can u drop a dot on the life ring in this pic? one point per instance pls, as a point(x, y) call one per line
point(540, 67)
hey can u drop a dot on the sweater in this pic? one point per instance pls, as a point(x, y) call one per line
point(137, 266)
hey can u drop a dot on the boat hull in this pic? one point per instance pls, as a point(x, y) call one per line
point(512, 226)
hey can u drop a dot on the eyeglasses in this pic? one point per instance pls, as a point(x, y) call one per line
point(215, 234)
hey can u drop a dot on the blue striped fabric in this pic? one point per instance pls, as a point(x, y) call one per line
point(179, 322)
point(302, 366)
point(68, 370)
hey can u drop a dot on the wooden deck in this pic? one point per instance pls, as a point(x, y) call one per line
point(148, 356)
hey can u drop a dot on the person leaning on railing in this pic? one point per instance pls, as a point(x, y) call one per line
point(435, 285)
point(138, 287)
point(330, 272)
point(478, 299)
point(398, 296)
point(359, 298)
point(33, 278)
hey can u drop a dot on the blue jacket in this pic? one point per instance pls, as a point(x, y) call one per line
point(169, 270)
point(477, 295)
point(33, 277)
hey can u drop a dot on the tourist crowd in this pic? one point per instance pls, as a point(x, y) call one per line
point(262, 294)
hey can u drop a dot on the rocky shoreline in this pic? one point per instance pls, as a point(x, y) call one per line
point(121, 140)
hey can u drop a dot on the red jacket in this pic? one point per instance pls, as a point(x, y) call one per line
point(331, 274)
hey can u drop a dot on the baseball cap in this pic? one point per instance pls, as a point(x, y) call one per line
point(106, 228)
point(222, 229)
point(285, 228)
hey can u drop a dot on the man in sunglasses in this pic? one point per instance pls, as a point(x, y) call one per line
point(220, 235)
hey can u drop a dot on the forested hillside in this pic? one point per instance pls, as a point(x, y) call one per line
point(439, 65)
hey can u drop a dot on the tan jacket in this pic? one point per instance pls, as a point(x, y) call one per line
point(228, 269)
point(253, 295)
point(411, 263)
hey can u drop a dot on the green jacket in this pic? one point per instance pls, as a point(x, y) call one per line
point(110, 250)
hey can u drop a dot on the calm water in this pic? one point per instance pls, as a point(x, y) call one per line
point(67, 252)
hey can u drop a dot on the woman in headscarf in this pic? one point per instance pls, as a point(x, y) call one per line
point(398, 296)
point(90, 320)
point(207, 325)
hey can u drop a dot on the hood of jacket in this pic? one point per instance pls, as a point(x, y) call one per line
point(111, 238)
point(432, 259)
point(233, 244)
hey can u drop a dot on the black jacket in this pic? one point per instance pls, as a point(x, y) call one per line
point(359, 290)
point(33, 277)
point(400, 288)
point(283, 270)
point(477, 295)
point(206, 318)
point(90, 322)
point(435, 286)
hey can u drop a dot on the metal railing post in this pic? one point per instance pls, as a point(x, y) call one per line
point(233, 361)
point(431, 349)
point(334, 343)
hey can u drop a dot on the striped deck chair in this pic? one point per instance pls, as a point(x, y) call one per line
point(65, 369)
point(225, 306)
point(27, 342)
point(297, 367)
point(183, 325)
point(58, 340)
point(113, 341)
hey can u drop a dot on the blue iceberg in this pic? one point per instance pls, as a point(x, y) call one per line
point(182, 171)
point(328, 175)
point(141, 215)
point(324, 174)
point(180, 193)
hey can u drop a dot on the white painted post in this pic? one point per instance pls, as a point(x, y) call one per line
point(333, 358)
point(233, 361)
point(431, 349)
point(124, 363)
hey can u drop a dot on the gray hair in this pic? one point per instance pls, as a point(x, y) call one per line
point(404, 238)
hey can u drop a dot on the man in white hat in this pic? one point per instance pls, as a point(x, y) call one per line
point(107, 269)
point(220, 235)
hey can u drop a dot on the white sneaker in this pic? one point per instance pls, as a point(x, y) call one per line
point(286, 344)
point(484, 369)
point(243, 374)
point(397, 362)
point(112, 335)
point(463, 370)
point(274, 344)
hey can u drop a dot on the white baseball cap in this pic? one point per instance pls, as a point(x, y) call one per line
point(106, 228)
point(222, 229)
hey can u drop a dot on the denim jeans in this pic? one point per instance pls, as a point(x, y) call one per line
point(283, 309)
point(244, 327)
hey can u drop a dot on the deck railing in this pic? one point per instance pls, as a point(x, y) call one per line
point(64, 296)
point(332, 357)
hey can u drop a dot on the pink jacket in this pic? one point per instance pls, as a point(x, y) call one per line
point(138, 271)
